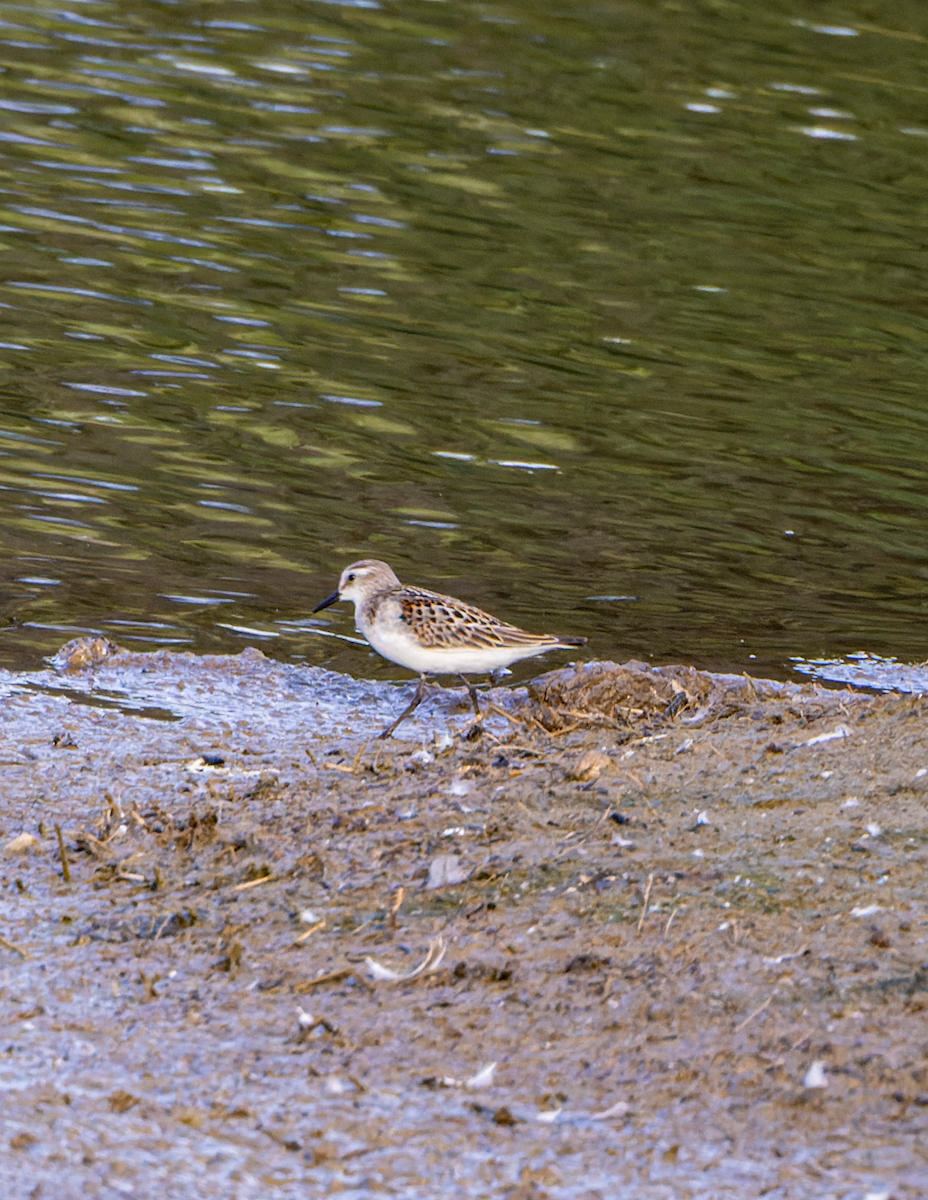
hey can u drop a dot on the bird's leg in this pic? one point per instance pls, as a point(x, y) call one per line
point(414, 704)
point(477, 728)
point(472, 692)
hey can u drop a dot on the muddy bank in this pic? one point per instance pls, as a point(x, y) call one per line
point(684, 916)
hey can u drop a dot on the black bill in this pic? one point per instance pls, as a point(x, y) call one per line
point(325, 603)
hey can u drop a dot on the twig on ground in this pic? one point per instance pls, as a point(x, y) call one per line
point(65, 869)
point(12, 946)
point(647, 897)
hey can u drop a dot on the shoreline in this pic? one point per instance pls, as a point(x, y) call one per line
point(654, 915)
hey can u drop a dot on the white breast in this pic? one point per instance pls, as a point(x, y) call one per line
point(392, 638)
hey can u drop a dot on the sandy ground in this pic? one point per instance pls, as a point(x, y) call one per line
point(651, 934)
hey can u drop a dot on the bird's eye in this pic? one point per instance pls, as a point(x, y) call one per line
point(351, 577)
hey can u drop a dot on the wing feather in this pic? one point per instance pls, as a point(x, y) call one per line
point(444, 623)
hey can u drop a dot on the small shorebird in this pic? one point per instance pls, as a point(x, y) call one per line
point(431, 633)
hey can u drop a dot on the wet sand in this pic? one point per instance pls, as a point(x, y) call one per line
point(652, 933)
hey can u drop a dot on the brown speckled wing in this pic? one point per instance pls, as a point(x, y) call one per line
point(443, 623)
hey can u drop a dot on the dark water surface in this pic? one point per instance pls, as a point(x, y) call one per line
point(612, 318)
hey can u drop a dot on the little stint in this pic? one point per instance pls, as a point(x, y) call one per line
point(430, 633)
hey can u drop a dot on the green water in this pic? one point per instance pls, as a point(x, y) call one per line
point(612, 319)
